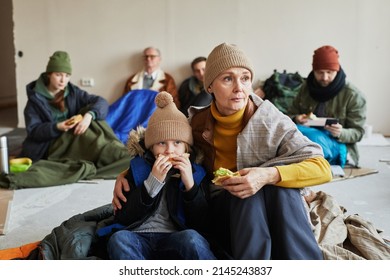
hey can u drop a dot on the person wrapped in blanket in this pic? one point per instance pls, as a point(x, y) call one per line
point(326, 93)
point(259, 214)
point(166, 206)
point(54, 105)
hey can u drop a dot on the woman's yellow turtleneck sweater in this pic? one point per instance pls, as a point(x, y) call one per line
point(306, 173)
point(226, 131)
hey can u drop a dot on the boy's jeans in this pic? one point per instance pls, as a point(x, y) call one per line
point(184, 245)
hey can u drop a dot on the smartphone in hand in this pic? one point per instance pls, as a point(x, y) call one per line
point(330, 121)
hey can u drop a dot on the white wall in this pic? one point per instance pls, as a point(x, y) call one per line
point(105, 39)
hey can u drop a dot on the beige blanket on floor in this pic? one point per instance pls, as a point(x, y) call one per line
point(342, 236)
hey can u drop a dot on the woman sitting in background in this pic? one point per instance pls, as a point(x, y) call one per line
point(52, 100)
point(64, 151)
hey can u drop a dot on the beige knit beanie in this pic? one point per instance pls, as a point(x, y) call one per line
point(223, 57)
point(167, 122)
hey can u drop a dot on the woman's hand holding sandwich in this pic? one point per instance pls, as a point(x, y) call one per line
point(250, 181)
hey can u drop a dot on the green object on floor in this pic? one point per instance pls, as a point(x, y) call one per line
point(19, 168)
point(17, 165)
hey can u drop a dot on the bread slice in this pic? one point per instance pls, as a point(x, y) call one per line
point(221, 174)
point(75, 119)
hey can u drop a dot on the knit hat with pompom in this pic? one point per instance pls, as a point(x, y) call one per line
point(167, 122)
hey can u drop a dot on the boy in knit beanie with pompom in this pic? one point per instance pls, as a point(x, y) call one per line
point(326, 93)
point(165, 205)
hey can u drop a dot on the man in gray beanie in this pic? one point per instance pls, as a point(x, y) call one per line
point(260, 213)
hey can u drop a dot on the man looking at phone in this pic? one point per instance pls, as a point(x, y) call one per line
point(326, 93)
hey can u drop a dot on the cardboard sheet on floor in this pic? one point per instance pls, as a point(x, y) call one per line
point(353, 172)
point(6, 197)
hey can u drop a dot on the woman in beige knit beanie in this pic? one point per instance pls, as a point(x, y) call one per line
point(259, 214)
point(244, 133)
point(162, 210)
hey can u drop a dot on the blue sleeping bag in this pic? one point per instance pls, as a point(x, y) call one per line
point(131, 110)
point(334, 152)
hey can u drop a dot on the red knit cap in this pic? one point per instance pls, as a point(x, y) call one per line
point(326, 58)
